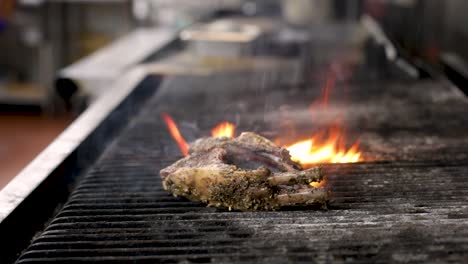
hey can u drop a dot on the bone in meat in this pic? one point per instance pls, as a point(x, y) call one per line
point(246, 173)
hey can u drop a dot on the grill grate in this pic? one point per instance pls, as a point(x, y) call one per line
point(410, 208)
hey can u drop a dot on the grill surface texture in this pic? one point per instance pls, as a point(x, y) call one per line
point(407, 204)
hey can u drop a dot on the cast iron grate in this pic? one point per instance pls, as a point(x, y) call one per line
point(413, 207)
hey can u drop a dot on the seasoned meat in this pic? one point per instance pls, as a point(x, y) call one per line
point(246, 173)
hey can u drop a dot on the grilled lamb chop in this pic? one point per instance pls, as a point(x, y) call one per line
point(245, 173)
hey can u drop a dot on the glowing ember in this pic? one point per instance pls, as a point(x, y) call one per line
point(318, 184)
point(224, 129)
point(312, 151)
point(175, 133)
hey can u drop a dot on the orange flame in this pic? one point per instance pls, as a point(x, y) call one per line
point(318, 184)
point(332, 149)
point(175, 133)
point(224, 129)
point(317, 149)
point(312, 151)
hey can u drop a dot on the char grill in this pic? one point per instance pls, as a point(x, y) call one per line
point(408, 205)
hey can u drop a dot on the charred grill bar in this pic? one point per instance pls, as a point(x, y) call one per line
point(408, 205)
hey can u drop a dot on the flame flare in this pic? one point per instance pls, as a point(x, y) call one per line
point(224, 129)
point(312, 151)
point(175, 133)
point(318, 184)
point(331, 149)
point(306, 152)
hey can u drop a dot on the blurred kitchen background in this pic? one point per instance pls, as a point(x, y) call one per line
point(57, 57)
